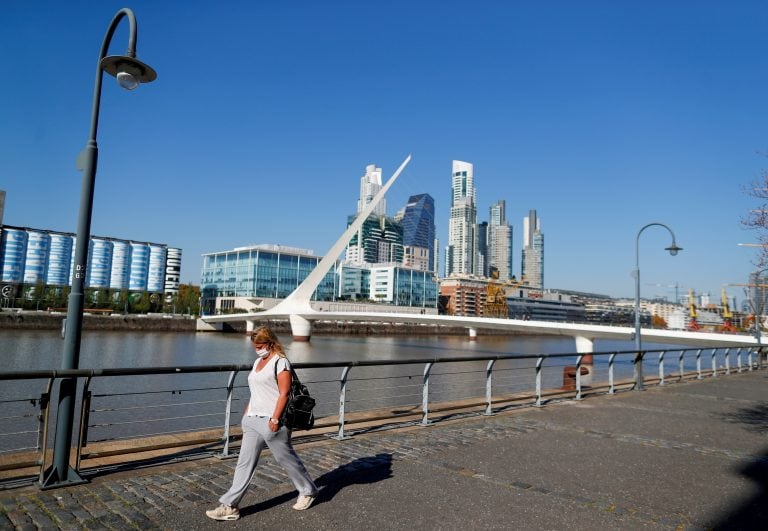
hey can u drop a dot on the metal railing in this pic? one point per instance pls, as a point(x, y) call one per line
point(185, 399)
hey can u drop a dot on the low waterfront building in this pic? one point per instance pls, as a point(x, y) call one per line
point(256, 278)
point(39, 257)
point(549, 306)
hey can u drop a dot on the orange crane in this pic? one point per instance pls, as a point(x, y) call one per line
point(756, 312)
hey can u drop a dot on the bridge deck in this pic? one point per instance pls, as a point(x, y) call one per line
point(687, 455)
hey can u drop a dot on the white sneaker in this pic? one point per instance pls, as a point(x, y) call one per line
point(303, 502)
point(224, 512)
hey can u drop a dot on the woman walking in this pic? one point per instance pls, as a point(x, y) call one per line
point(262, 428)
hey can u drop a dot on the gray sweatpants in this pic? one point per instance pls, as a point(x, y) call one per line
point(257, 436)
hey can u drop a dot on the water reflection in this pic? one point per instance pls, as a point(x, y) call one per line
point(145, 405)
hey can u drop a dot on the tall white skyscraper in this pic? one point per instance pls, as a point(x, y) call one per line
point(462, 243)
point(533, 251)
point(500, 240)
point(370, 184)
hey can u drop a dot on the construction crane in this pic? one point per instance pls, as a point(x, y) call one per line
point(756, 310)
point(676, 286)
point(495, 299)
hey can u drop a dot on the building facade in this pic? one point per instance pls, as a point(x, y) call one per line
point(256, 277)
point(30, 257)
point(380, 239)
point(499, 241)
point(418, 222)
point(532, 270)
point(370, 184)
point(461, 251)
point(463, 296)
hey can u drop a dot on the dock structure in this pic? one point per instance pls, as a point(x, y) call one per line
point(688, 455)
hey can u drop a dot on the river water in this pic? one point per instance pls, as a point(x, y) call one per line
point(124, 407)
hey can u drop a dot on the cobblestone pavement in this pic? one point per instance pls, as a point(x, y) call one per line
point(686, 456)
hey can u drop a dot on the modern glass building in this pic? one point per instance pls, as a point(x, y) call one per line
point(32, 256)
point(403, 286)
point(268, 271)
point(379, 240)
point(418, 221)
point(274, 271)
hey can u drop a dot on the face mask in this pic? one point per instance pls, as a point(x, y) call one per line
point(262, 352)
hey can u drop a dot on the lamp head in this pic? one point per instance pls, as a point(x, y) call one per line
point(129, 71)
point(673, 249)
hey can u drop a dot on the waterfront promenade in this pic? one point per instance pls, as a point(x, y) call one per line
point(690, 455)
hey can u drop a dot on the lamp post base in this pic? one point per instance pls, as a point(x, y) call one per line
point(52, 478)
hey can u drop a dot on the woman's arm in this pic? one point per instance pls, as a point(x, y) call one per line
point(284, 386)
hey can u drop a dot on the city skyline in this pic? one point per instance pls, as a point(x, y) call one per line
point(602, 117)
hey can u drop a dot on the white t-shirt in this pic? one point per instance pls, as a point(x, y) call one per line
point(263, 386)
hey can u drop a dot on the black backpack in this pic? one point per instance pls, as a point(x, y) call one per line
point(297, 414)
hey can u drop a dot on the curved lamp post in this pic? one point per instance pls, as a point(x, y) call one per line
point(129, 72)
point(673, 250)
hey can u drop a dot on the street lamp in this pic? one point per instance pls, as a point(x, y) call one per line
point(129, 72)
point(673, 250)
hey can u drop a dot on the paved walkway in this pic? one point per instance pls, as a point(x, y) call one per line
point(692, 455)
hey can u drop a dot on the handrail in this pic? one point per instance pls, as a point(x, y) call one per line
point(483, 399)
point(136, 371)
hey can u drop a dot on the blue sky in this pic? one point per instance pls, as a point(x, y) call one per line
point(603, 116)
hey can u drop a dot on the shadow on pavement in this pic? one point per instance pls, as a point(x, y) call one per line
point(755, 417)
point(753, 512)
point(358, 472)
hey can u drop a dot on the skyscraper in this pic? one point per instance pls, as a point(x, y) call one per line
point(533, 251)
point(379, 240)
point(462, 240)
point(499, 241)
point(418, 221)
point(370, 184)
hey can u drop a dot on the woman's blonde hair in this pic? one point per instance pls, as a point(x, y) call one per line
point(267, 336)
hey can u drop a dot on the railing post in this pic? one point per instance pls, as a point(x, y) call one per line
point(749, 358)
point(45, 410)
point(228, 414)
point(539, 362)
point(681, 364)
point(698, 364)
point(425, 395)
point(342, 403)
point(714, 363)
point(85, 415)
point(578, 377)
point(637, 367)
point(738, 359)
point(489, 388)
point(727, 361)
point(661, 367)
point(611, 384)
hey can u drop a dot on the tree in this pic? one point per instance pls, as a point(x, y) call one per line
point(658, 321)
point(188, 299)
point(757, 218)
